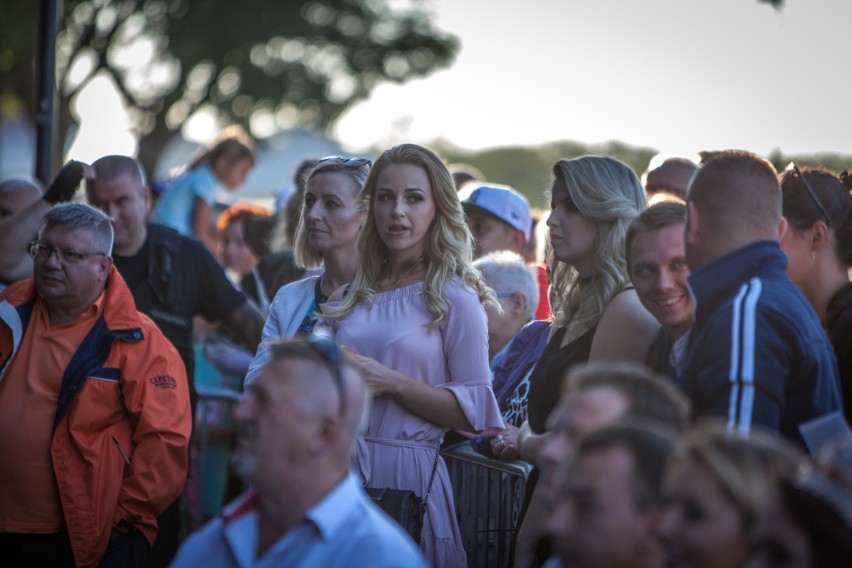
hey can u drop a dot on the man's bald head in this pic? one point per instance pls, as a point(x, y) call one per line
point(298, 420)
point(672, 176)
point(111, 167)
point(323, 395)
point(733, 200)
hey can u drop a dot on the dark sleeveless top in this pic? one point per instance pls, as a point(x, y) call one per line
point(838, 324)
point(548, 373)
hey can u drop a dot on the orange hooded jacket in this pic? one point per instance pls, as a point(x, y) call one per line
point(122, 425)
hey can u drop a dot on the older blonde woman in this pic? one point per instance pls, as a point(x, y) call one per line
point(326, 238)
point(414, 314)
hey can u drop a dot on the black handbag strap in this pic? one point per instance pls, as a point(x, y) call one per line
point(434, 471)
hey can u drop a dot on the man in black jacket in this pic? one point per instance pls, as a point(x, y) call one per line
point(172, 278)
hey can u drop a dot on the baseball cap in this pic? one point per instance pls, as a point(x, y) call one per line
point(500, 201)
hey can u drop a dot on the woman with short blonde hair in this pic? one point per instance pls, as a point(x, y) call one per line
point(326, 239)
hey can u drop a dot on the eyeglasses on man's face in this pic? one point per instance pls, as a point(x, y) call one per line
point(41, 252)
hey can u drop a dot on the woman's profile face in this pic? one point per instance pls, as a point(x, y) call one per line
point(331, 215)
point(702, 527)
point(572, 235)
point(798, 247)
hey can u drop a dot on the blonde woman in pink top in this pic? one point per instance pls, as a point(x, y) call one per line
point(414, 315)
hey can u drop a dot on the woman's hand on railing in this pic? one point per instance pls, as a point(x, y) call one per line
point(505, 444)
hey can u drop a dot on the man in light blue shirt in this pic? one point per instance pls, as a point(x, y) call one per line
point(296, 430)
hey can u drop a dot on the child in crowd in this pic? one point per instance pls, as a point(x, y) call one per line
point(187, 206)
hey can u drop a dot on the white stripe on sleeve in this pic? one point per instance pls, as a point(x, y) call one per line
point(733, 373)
point(749, 339)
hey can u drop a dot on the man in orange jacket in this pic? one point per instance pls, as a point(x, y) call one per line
point(94, 406)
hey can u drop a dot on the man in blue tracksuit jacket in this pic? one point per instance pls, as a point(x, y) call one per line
point(757, 353)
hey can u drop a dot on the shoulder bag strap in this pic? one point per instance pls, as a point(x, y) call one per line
point(434, 471)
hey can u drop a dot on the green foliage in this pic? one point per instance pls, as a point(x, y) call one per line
point(834, 162)
point(529, 169)
point(267, 64)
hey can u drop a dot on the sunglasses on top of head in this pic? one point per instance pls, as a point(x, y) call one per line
point(322, 342)
point(793, 169)
point(348, 162)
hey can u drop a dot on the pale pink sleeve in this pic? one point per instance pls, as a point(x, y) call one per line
point(465, 337)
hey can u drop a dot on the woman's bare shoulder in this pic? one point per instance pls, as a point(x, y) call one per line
point(626, 331)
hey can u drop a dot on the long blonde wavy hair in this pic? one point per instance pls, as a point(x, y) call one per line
point(448, 250)
point(608, 193)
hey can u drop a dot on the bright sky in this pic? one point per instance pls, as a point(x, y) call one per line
point(675, 75)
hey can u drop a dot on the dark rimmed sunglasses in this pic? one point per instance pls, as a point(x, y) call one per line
point(327, 348)
point(348, 162)
point(795, 169)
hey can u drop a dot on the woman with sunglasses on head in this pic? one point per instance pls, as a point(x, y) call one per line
point(818, 243)
point(414, 316)
point(326, 238)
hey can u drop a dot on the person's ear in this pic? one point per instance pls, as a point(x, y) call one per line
point(328, 433)
point(518, 241)
point(104, 267)
point(820, 235)
point(692, 230)
point(783, 227)
point(519, 305)
point(146, 197)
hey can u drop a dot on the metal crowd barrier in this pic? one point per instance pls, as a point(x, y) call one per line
point(214, 431)
point(489, 496)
